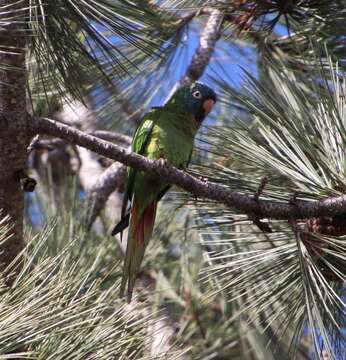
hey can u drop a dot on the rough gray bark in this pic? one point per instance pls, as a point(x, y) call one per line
point(14, 137)
point(209, 36)
point(112, 136)
point(108, 186)
point(113, 178)
point(244, 203)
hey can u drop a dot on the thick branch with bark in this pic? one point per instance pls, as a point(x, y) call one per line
point(243, 203)
point(112, 136)
point(14, 138)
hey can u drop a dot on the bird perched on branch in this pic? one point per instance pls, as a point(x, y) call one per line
point(166, 133)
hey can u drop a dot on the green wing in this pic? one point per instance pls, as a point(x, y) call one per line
point(139, 144)
point(163, 192)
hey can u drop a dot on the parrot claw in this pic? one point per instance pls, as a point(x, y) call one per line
point(163, 161)
point(203, 179)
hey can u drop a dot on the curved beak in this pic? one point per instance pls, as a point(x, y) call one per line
point(208, 105)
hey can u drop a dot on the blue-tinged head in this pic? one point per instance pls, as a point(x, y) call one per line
point(197, 99)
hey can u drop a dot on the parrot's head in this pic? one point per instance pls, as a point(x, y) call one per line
point(197, 99)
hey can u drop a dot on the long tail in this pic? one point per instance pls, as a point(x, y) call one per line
point(140, 231)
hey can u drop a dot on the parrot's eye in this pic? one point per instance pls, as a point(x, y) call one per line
point(197, 94)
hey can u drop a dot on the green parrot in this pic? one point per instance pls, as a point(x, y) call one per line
point(166, 133)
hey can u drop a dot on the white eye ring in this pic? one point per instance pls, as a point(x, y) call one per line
point(197, 94)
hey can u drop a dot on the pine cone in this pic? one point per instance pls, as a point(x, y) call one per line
point(327, 225)
point(332, 226)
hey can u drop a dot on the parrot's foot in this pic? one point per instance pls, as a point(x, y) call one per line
point(203, 179)
point(162, 161)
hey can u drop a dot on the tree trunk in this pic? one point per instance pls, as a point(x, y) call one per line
point(14, 137)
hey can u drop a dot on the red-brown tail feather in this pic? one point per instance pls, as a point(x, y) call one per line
point(140, 231)
point(146, 223)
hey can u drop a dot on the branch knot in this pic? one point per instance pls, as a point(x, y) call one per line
point(27, 183)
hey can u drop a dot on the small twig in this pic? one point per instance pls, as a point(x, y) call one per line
point(33, 144)
point(263, 226)
point(293, 198)
point(199, 323)
point(264, 182)
point(44, 144)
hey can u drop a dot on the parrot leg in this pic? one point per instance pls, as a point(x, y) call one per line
point(162, 161)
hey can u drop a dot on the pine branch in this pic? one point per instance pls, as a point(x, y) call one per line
point(208, 39)
point(112, 136)
point(112, 178)
point(244, 203)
